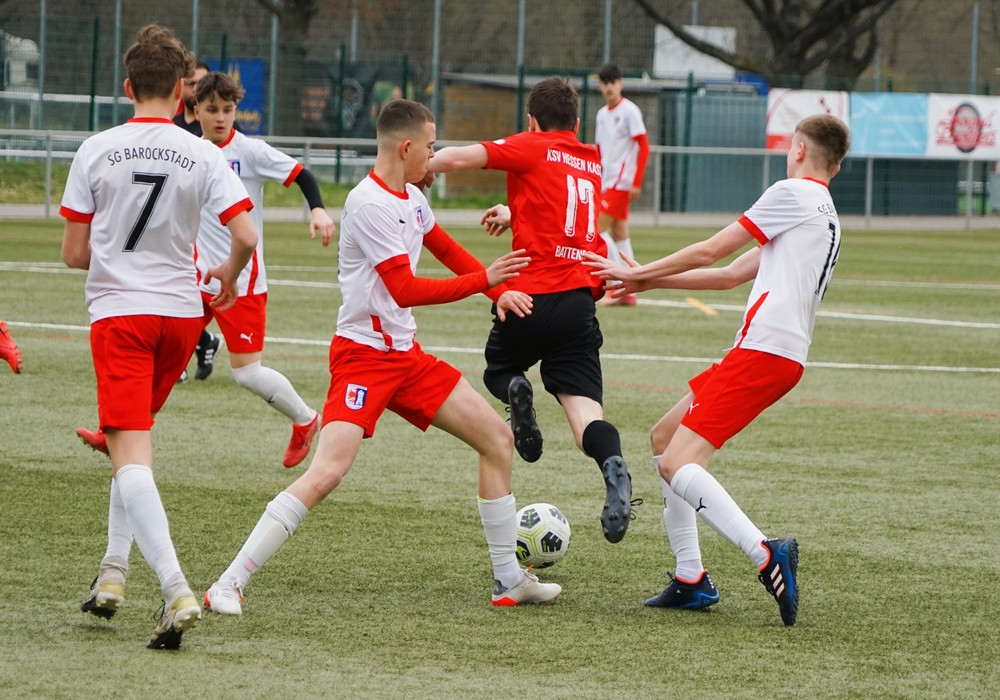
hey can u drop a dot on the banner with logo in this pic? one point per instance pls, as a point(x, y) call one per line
point(786, 108)
point(962, 126)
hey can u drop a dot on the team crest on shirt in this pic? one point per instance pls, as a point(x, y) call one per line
point(355, 397)
point(235, 165)
point(420, 217)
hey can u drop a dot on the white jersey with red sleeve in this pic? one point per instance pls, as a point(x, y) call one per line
point(614, 134)
point(141, 186)
point(378, 224)
point(797, 226)
point(255, 162)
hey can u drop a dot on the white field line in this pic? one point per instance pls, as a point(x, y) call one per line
point(59, 268)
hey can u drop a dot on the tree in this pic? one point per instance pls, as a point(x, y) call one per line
point(293, 25)
point(834, 38)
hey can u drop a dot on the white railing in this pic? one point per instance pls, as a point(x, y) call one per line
point(352, 158)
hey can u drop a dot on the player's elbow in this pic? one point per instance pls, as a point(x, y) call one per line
point(76, 258)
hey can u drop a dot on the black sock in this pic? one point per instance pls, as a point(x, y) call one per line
point(601, 441)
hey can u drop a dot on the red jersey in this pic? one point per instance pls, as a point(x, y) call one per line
point(553, 191)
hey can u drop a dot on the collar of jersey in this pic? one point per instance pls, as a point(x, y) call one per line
point(232, 135)
point(819, 182)
point(151, 120)
point(378, 181)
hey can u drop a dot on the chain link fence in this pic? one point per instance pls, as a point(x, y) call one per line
point(326, 77)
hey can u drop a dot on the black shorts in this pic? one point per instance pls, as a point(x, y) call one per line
point(562, 333)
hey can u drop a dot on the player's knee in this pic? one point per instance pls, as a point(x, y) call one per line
point(498, 442)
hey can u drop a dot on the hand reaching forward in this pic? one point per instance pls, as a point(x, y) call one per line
point(496, 220)
point(506, 267)
point(518, 302)
point(621, 279)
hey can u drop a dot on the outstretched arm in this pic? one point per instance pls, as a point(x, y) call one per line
point(742, 269)
point(451, 158)
point(460, 261)
point(700, 254)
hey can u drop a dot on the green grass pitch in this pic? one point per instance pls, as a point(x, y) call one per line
point(883, 462)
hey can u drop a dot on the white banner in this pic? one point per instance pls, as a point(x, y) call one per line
point(786, 108)
point(962, 127)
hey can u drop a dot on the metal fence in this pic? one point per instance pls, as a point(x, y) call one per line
point(317, 79)
point(732, 177)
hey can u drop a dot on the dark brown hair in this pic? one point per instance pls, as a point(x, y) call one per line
point(155, 62)
point(554, 104)
point(609, 73)
point(219, 84)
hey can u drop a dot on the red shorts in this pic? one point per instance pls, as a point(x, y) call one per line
point(243, 325)
point(730, 394)
point(614, 203)
point(365, 381)
point(137, 360)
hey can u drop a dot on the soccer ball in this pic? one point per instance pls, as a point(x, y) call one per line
point(542, 535)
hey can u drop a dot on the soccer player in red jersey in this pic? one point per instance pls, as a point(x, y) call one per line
point(132, 204)
point(376, 363)
point(797, 228)
point(553, 189)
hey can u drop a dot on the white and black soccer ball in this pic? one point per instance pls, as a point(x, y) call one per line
point(542, 535)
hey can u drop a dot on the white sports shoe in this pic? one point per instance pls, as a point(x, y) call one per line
point(224, 600)
point(529, 591)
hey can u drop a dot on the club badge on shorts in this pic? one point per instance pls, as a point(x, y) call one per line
point(355, 397)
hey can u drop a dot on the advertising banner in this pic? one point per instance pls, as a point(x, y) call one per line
point(888, 124)
point(962, 127)
point(251, 74)
point(786, 108)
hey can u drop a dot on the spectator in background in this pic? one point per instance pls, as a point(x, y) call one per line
point(620, 137)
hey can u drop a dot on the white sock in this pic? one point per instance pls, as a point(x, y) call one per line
point(280, 519)
point(119, 534)
point(625, 247)
point(500, 525)
point(275, 389)
point(613, 255)
point(681, 525)
point(148, 522)
point(706, 495)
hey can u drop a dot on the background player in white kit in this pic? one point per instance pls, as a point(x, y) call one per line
point(243, 326)
point(620, 137)
point(132, 202)
point(796, 225)
point(376, 363)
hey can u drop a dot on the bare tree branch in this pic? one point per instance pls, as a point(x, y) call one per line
point(804, 36)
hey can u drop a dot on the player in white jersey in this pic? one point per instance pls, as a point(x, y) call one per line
point(243, 326)
point(132, 203)
point(620, 137)
point(798, 231)
point(375, 363)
